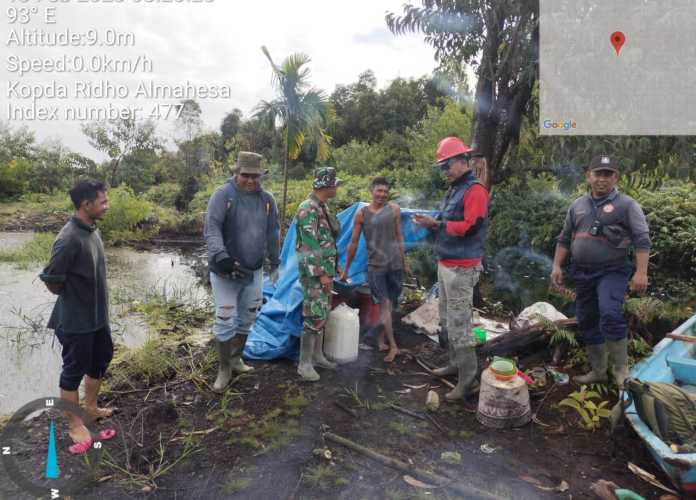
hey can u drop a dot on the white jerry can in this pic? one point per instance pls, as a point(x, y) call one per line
point(342, 334)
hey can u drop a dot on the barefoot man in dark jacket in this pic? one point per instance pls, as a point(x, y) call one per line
point(80, 318)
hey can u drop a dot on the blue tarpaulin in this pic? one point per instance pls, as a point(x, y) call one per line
point(279, 321)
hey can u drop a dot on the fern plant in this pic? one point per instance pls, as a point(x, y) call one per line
point(633, 182)
point(558, 335)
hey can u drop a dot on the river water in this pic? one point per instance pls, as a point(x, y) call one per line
point(29, 355)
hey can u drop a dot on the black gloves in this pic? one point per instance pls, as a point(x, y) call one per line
point(226, 265)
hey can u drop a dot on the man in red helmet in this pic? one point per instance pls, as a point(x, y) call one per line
point(460, 231)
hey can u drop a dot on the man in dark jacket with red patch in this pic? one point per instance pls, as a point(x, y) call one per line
point(601, 228)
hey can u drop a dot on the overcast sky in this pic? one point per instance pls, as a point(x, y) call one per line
point(219, 43)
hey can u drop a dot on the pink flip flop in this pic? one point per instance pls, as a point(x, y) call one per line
point(81, 447)
point(106, 434)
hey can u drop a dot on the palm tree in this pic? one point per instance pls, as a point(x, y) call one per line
point(303, 112)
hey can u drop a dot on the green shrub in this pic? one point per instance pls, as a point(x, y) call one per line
point(527, 212)
point(58, 201)
point(14, 178)
point(199, 203)
point(169, 219)
point(358, 158)
point(164, 194)
point(129, 217)
point(671, 214)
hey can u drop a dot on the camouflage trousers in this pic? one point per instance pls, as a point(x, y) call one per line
point(315, 306)
point(456, 302)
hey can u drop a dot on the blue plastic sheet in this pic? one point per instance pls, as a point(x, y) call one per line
point(279, 322)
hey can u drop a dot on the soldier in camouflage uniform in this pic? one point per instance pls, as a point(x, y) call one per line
point(317, 230)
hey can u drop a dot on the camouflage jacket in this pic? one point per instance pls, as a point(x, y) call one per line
point(315, 244)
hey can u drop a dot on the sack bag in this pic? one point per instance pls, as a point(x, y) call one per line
point(667, 409)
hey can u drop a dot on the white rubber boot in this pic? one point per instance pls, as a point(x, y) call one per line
point(305, 368)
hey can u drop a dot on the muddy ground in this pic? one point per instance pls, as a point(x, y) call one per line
point(263, 438)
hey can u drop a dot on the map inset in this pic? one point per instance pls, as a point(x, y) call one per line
point(618, 67)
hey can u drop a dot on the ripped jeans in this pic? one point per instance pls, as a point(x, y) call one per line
point(236, 305)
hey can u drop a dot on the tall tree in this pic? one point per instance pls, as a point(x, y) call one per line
point(229, 128)
point(120, 138)
point(189, 122)
point(303, 112)
point(500, 40)
point(365, 114)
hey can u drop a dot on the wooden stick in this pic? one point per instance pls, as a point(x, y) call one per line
point(468, 491)
point(683, 338)
point(195, 433)
point(437, 424)
point(430, 371)
point(133, 391)
point(419, 416)
point(349, 411)
point(407, 412)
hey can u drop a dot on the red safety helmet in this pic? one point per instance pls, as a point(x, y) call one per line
point(450, 147)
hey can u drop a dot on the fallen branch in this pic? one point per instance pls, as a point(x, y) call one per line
point(430, 371)
point(407, 412)
point(516, 340)
point(349, 411)
point(468, 491)
point(437, 424)
point(134, 391)
point(419, 416)
point(184, 435)
point(649, 478)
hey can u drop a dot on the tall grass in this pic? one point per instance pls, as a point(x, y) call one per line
point(35, 251)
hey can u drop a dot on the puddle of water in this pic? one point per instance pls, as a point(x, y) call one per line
point(12, 239)
point(29, 355)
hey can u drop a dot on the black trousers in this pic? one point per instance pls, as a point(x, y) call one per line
point(84, 354)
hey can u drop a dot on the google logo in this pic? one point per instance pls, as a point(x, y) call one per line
point(566, 125)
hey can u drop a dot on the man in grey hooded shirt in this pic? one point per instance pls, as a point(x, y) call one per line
point(241, 228)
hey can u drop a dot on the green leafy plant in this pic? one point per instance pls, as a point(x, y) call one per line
point(638, 349)
point(591, 413)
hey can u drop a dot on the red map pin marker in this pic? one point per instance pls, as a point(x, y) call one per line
point(617, 40)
